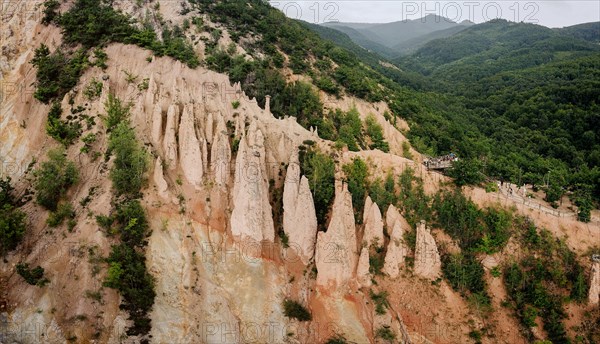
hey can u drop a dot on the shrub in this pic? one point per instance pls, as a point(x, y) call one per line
point(235, 104)
point(93, 90)
point(295, 310)
point(337, 339)
point(63, 211)
point(54, 178)
point(380, 300)
point(64, 132)
point(376, 259)
point(375, 133)
point(33, 276)
point(385, 333)
point(94, 23)
point(406, 150)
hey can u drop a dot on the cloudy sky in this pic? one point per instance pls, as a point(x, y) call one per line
point(551, 13)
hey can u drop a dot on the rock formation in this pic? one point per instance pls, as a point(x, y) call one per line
point(156, 131)
point(396, 251)
point(373, 224)
point(170, 139)
point(220, 153)
point(362, 270)
point(427, 258)
point(190, 152)
point(594, 293)
point(159, 179)
point(391, 216)
point(336, 254)
point(299, 215)
point(251, 217)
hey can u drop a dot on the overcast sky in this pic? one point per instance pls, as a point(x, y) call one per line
point(551, 13)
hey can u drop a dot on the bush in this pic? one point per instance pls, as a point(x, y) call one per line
point(54, 178)
point(375, 133)
point(63, 211)
point(380, 300)
point(65, 132)
point(93, 90)
point(337, 339)
point(357, 173)
point(385, 333)
point(295, 310)
point(33, 276)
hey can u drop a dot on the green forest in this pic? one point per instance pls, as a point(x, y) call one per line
point(527, 104)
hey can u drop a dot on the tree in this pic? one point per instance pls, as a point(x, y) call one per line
point(131, 160)
point(357, 173)
point(319, 169)
point(12, 220)
point(467, 172)
point(12, 227)
point(54, 178)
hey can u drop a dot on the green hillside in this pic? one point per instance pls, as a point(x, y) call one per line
point(532, 92)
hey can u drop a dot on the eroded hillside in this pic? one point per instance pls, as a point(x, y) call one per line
point(164, 203)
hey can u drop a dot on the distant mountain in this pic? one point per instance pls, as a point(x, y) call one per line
point(368, 43)
point(414, 44)
point(397, 38)
point(485, 49)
